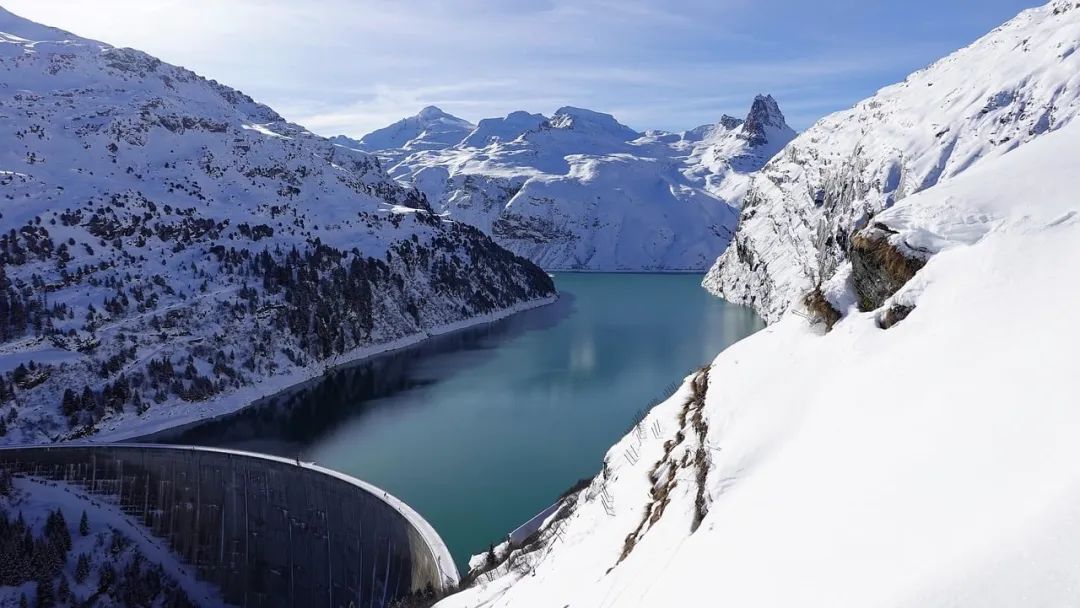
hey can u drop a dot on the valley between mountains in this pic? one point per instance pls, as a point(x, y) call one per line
point(900, 433)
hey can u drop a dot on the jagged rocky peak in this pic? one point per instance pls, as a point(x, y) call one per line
point(592, 123)
point(763, 124)
point(730, 122)
point(764, 121)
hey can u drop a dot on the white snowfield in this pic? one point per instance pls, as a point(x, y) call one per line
point(1008, 88)
point(177, 249)
point(931, 464)
point(582, 191)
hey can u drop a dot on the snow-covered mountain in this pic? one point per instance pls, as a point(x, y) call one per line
point(431, 129)
point(921, 452)
point(799, 216)
point(169, 248)
point(579, 190)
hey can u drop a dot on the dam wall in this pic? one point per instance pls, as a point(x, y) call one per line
point(267, 531)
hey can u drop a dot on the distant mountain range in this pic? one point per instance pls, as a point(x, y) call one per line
point(170, 248)
point(581, 191)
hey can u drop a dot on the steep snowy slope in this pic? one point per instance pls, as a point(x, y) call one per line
point(431, 129)
point(169, 247)
point(1012, 86)
point(582, 191)
point(932, 464)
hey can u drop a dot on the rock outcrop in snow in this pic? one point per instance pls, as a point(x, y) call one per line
point(170, 248)
point(1010, 87)
point(580, 190)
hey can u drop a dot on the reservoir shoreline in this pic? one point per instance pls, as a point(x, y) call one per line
point(479, 430)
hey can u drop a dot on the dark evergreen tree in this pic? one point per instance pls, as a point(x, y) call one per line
point(63, 591)
point(88, 400)
point(57, 533)
point(70, 402)
point(46, 597)
point(106, 576)
point(82, 568)
point(84, 524)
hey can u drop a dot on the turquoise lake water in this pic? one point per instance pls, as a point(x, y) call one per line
point(481, 429)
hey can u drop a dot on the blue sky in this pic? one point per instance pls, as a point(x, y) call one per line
point(350, 66)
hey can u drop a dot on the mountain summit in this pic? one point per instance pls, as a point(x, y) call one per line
point(508, 128)
point(765, 122)
point(430, 129)
point(588, 122)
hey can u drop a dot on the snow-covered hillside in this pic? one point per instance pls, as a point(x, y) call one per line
point(1012, 86)
point(431, 129)
point(580, 190)
point(934, 463)
point(169, 248)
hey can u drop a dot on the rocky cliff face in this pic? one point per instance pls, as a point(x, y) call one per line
point(878, 268)
point(801, 212)
point(582, 191)
point(764, 122)
point(169, 247)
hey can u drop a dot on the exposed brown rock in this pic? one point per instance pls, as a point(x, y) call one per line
point(820, 309)
point(893, 315)
point(879, 269)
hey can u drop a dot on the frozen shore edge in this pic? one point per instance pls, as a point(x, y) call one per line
point(186, 414)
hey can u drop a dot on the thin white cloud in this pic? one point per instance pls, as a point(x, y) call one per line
point(354, 65)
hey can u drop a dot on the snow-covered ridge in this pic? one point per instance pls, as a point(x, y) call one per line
point(932, 464)
point(1008, 88)
point(430, 129)
point(589, 122)
point(492, 130)
point(580, 190)
point(149, 218)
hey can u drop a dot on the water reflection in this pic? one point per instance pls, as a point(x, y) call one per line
point(288, 423)
point(480, 429)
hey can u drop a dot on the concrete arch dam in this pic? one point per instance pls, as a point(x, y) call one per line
point(267, 531)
